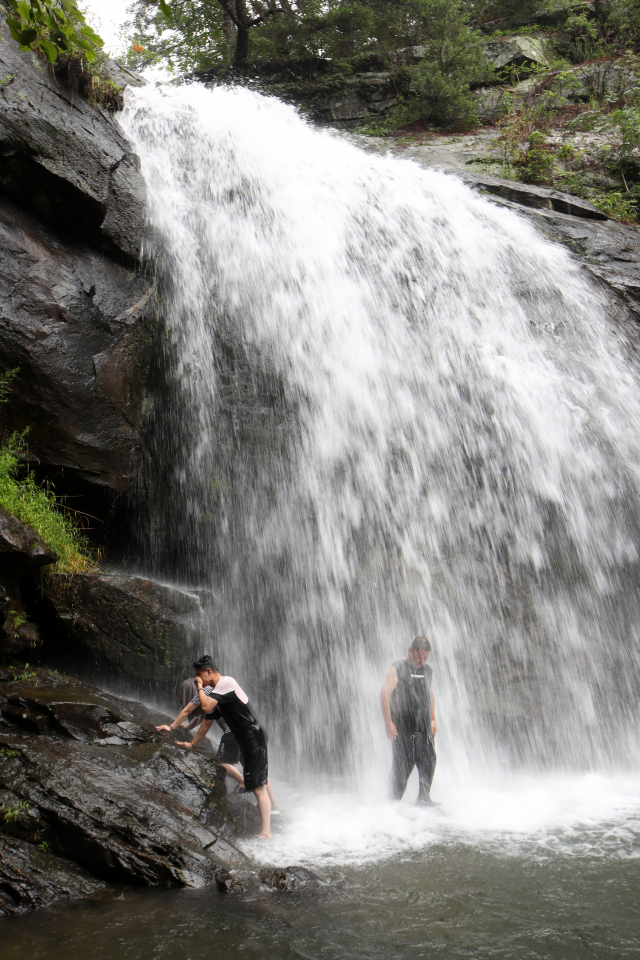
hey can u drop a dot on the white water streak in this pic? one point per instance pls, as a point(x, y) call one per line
point(458, 453)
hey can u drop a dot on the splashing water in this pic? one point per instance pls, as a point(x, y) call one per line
point(393, 409)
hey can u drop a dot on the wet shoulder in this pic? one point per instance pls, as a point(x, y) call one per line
point(401, 668)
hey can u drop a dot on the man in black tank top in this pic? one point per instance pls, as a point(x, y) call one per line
point(409, 715)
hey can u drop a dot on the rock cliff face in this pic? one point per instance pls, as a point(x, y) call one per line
point(133, 631)
point(78, 326)
point(76, 310)
point(66, 159)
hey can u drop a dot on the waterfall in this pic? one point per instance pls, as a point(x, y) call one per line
point(393, 409)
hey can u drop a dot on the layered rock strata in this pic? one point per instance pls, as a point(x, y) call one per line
point(91, 794)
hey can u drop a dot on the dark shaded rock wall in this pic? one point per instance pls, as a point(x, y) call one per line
point(66, 159)
point(22, 553)
point(76, 308)
point(135, 631)
point(79, 327)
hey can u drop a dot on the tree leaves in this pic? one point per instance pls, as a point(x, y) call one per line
point(51, 27)
point(49, 49)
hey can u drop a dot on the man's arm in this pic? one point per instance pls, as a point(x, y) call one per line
point(208, 704)
point(205, 726)
point(190, 707)
point(433, 715)
point(389, 685)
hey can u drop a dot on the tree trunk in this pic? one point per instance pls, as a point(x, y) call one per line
point(229, 30)
point(242, 37)
point(242, 49)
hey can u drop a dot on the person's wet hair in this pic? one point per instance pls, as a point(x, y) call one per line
point(204, 663)
point(420, 643)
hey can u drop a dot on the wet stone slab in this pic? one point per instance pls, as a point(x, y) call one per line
point(91, 794)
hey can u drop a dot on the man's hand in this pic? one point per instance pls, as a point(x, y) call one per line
point(391, 731)
point(185, 746)
point(164, 727)
point(434, 729)
point(199, 683)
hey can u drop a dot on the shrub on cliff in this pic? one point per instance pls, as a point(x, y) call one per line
point(51, 28)
point(36, 506)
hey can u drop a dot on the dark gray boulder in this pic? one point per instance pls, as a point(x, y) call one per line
point(32, 877)
point(539, 198)
point(79, 328)
point(67, 159)
point(22, 552)
point(74, 318)
point(140, 631)
point(289, 878)
point(21, 549)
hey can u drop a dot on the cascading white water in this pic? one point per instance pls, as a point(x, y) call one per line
point(395, 410)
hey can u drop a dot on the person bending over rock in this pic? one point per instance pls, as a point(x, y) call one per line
point(225, 693)
point(409, 715)
point(228, 754)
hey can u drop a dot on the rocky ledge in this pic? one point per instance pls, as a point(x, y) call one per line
point(91, 795)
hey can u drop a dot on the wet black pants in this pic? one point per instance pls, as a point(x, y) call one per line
point(409, 751)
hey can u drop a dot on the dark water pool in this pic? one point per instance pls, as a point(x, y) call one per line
point(450, 901)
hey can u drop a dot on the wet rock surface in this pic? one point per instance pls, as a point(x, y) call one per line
point(608, 250)
point(22, 552)
point(79, 328)
point(21, 549)
point(120, 626)
point(288, 878)
point(32, 877)
point(91, 794)
point(66, 159)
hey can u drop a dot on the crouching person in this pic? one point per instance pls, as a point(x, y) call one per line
point(225, 693)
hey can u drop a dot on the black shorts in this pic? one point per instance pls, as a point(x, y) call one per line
point(255, 768)
point(228, 750)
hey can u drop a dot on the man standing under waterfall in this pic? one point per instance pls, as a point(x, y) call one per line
point(224, 693)
point(408, 708)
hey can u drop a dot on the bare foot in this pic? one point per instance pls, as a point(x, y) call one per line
point(184, 746)
point(264, 836)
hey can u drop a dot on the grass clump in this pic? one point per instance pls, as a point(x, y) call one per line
point(36, 506)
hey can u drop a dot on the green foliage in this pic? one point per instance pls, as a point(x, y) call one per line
point(12, 812)
point(38, 507)
point(617, 205)
point(536, 162)
point(17, 620)
point(52, 27)
point(583, 35)
point(452, 63)
point(20, 675)
point(5, 383)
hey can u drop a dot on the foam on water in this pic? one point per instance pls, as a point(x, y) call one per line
point(588, 815)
